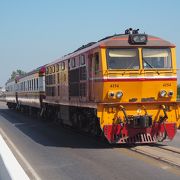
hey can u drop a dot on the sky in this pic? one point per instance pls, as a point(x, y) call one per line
point(37, 32)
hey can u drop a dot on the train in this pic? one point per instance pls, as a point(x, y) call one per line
point(122, 87)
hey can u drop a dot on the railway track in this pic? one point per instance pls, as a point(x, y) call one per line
point(167, 154)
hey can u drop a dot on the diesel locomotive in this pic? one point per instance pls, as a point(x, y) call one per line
point(123, 86)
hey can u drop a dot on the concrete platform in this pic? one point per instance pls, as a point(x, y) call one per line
point(10, 169)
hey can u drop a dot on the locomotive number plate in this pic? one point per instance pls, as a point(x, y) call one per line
point(114, 85)
point(166, 84)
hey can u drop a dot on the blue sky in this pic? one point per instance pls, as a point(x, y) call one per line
point(36, 32)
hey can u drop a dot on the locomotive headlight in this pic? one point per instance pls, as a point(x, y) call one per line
point(163, 93)
point(119, 94)
point(170, 93)
point(138, 38)
point(111, 94)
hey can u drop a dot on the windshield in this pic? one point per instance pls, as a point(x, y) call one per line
point(157, 59)
point(122, 59)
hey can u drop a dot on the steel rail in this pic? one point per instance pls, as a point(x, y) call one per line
point(166, 154)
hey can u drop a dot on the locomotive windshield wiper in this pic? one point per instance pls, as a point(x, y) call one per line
point(152, 67)
point(128, 68)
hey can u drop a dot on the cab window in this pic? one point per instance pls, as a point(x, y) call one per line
point(157, 58)
point(122, 59)
point(96, 63)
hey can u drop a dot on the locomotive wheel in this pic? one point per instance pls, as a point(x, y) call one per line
point(9, 106)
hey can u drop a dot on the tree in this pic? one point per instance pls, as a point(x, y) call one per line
point(16, 73)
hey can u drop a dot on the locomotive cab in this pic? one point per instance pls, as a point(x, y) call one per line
point(138, 99)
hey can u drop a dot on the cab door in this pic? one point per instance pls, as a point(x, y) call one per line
point(93, 74)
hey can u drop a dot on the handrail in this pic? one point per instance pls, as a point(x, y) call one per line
point(141, 71)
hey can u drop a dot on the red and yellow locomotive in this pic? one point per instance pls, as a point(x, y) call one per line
point(124, 86)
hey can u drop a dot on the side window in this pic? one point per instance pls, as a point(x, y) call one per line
point(58, 78)
point(57, 67)
point(50, 70)
point(63, 66)
point(30, 85)
point(24, 87)
point(34, 84)
point(82, 60)
point(96, 63)
point(37, 84)
point(73, 63)
point(47, 70)
point(53, 69)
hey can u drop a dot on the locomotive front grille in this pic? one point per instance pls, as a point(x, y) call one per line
point(139, 138)
point(140, 121)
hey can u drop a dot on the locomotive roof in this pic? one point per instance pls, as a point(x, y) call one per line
point(9, 81)
point(120, 40)
point(27, 74)
point(37, 70)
